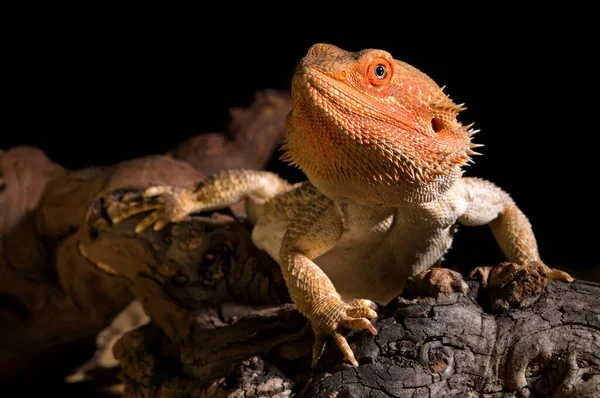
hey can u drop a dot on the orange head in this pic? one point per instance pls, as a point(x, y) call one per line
point(371, 129)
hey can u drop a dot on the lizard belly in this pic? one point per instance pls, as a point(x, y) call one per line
point(375, 256)
point(376, 269)
point(357, 272)
point(268, 236)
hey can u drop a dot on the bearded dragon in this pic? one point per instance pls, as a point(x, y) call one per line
point(383, 151)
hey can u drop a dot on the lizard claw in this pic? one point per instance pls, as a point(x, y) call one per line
point(557, 275)
point(167, 203)
point(334, 316)
point(319, 347)
point(157, 190)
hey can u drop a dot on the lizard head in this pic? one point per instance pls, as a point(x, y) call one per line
point(368, 128)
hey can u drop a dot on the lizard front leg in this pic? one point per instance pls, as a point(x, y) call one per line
point(314, 230)
point(172, 204)
point(488, 204)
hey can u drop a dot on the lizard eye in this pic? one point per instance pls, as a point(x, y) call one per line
point(379, 72)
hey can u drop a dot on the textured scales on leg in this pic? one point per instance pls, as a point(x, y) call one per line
point(173, 204)
point(315, 229)
point(383, 151)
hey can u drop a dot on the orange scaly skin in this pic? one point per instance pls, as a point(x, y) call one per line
point(382, 149)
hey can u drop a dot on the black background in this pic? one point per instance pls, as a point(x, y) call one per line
point(97, 90)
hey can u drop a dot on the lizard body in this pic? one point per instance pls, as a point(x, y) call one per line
point(383, 151)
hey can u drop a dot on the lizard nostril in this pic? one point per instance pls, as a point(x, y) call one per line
point(341, 75)
point(437, 124)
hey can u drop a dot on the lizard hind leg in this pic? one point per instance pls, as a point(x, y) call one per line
point(173, 204)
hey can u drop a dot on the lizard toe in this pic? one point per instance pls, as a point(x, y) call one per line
point(129, 210)
point(318, 347)
point(358, 323)
point(148, 221)
point(342, 343)
point(558, 275)
point(361, 312)
point(157, 191)
point(160, 223)
point(362, 303)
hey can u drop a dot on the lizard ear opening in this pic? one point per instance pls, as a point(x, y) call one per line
point(437, 124)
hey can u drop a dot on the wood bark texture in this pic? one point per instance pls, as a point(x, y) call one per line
point(51, 292)
point(448, 346)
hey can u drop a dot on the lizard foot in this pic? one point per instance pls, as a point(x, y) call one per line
point(513, 286)
point(167, 203)
point(331, 317)
point(435, 282)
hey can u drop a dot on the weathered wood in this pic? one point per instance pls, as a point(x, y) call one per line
point(453, 345)
point(254, 134)
point(51, 292)
point(444, 347)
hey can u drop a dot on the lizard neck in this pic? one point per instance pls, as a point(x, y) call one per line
point(373, 194)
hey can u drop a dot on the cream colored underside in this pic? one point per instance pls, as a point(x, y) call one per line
point(380, 248)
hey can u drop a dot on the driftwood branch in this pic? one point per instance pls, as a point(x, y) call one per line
point(444, 347)
point(51, 293)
